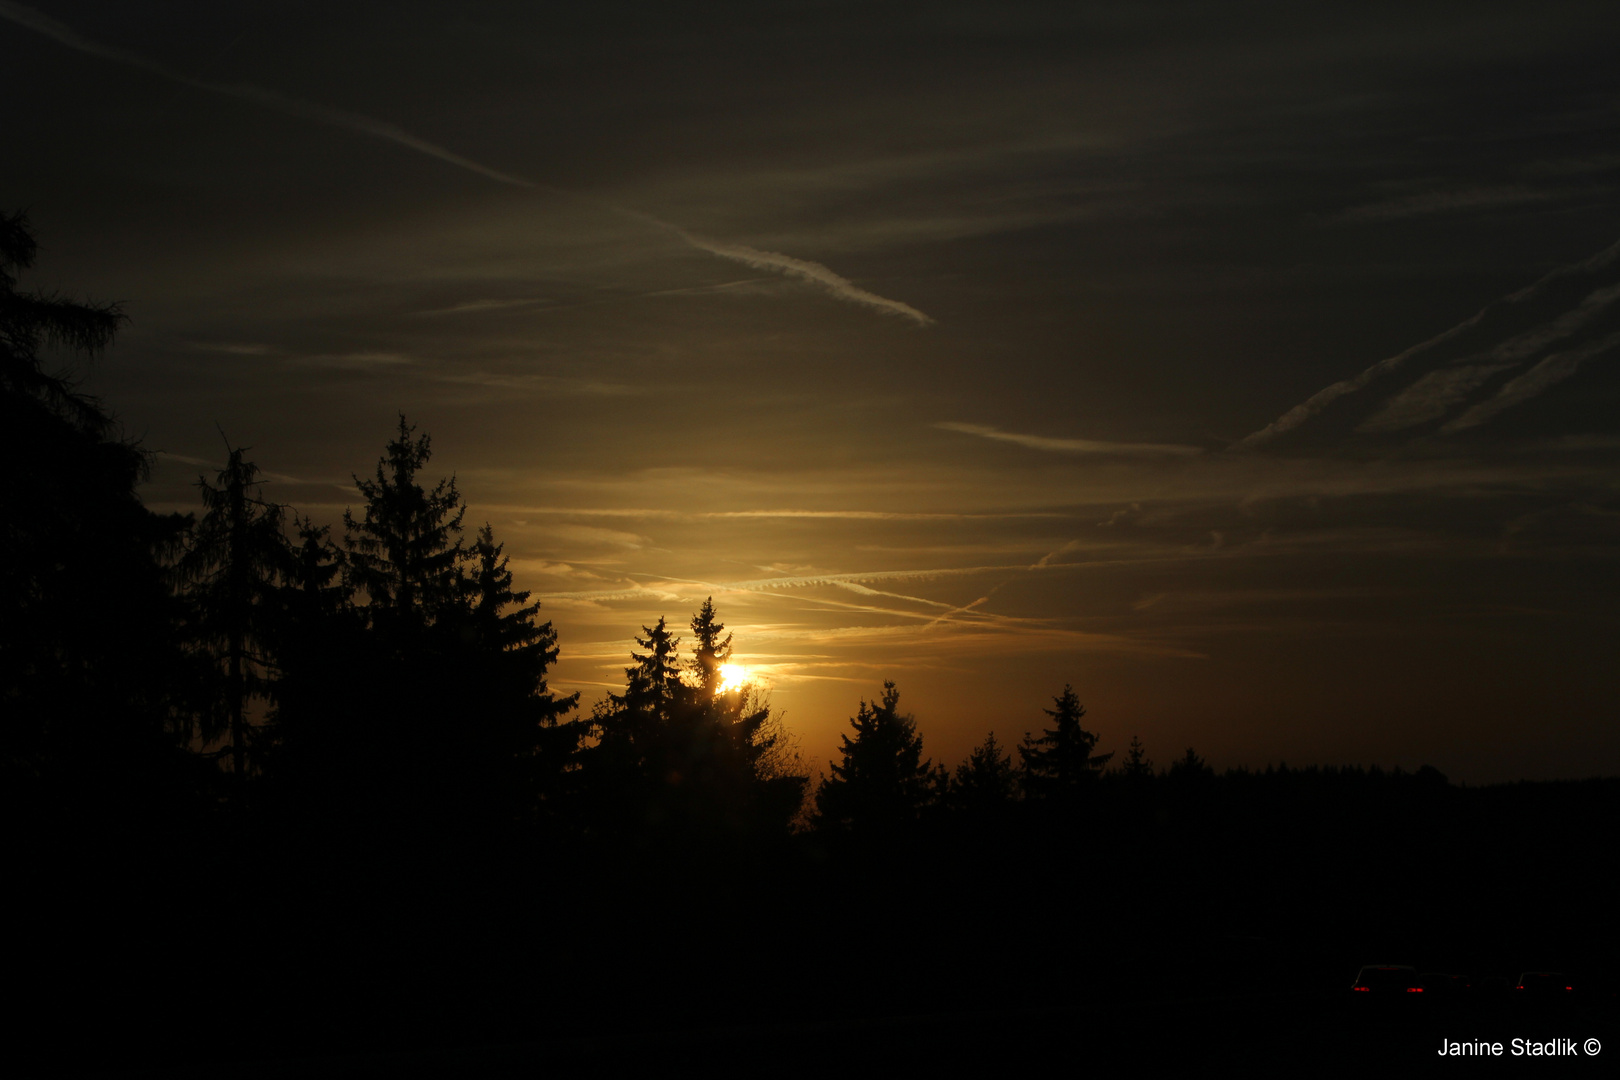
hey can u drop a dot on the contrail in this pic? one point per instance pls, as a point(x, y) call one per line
point(812, 273)
point(1066, 446)
point(258, 95)
point(1553, 369)
point(1322, 398)
point(1040, 564)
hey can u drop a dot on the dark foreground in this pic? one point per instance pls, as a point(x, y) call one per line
point(1223, 925)
point(1304, 1033)
point(960, 952)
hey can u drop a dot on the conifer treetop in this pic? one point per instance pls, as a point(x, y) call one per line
point(406, 553)
point(1061, 761)
point(712, 651)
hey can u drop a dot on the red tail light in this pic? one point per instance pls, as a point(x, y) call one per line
point(1414, 989)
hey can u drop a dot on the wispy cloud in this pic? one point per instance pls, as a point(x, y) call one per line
point(1042, 563)
point(813, 273)
point(1519, 347)
point(800, 269)
point(1553, 369)
point(786, 581)
point(1444, 202)
point(219, 466)
point(233, 348)
point(355, 361)
point(1430, 397)
point(1320, 400)
point(586, 534)
point(1525, 345)
point(864, 590)
point(258, 95)
point(549, 384)
point(986, 638)
point(1067, 446)
point(469, 307)
point(1435, 393)
point(804, 580)
point(830, 515)
point(739, 285)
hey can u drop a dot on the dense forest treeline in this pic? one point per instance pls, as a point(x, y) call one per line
point(272, 788)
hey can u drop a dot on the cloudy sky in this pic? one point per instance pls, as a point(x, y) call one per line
point(1255, 367)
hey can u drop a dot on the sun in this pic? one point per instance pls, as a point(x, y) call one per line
point(732, 677)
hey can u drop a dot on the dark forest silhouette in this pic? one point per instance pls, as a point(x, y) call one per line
point(322, 778)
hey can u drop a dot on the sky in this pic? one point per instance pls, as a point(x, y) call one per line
point(1253, 368)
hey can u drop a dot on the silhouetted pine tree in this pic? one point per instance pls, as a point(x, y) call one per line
point(711, 651)
point(882, 781)
point(676, 759)
point(91, 672)
point(406, 552)
point(233, 564)
point(630, 765)
point(314, 586)
point(770, 762)
point(511, 652)
point(1189, 768)
point(405, 556)
point(1137, 766)
point(653, 682)
point(320, 645)
point(1060, 764)
point(427, 707)
point(758, 754)
point(1190, 790)
point(986, 783)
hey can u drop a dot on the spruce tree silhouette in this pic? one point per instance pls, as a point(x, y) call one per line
point(711, 651)
point(882, 782)
point(446, 721)
point(770, 762)
point(1136, 766)
point(986, 783)
point(319, 643)
point(530, 749)
point(313, 586)
point(395, 751)
point(91, 670)
point(233, 565)
point(1190, 770)
point(756, 751)
point(29, 321)
point(653, 683)
point(684, 760)
point(1190, 786)
point(758, 779)
point(631, 763)
point(406, 554)
point(1060, 765)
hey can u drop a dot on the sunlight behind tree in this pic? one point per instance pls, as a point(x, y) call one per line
point(732, 677)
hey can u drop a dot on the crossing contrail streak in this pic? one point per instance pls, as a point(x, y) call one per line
point(811, 273)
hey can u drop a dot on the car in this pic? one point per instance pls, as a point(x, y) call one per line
point(1382, 980)
point(1544, 984)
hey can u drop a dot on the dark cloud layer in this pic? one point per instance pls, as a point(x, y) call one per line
point(1123, 228)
